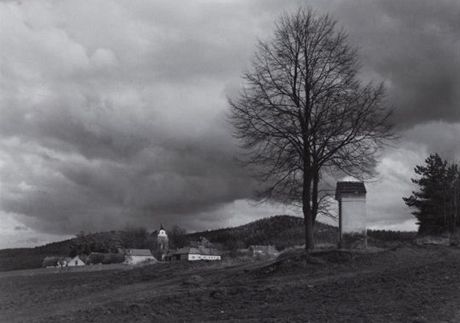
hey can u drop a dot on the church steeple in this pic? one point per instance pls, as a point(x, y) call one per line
point(163, 240)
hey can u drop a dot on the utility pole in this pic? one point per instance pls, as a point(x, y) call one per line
point(446, 224)
point(454, 228)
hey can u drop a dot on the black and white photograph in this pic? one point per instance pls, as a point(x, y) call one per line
point(230, 161)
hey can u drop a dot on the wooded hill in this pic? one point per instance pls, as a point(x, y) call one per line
point(282, 231)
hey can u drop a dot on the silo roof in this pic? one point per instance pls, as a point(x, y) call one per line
point(356, 188)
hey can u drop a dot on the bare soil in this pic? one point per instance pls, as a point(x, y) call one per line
point(407, 284)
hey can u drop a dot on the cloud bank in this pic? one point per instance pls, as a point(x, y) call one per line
point(113, 114)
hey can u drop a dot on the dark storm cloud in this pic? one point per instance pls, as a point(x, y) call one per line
point(162, 182)
point(123, 126)
point(439, 137)
point(118, 119)
point(413, 46)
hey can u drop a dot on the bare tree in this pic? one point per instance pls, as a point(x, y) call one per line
point(303, 110)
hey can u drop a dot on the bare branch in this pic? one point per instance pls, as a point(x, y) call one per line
point(304, 111)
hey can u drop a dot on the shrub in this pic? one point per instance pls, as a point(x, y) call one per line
point(50, 261)
point(95, 258)
point(113, 258)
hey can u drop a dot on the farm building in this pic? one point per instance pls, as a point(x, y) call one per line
point(137, 256)
point(55, 262)
point(193, 254)
point(75, 261)
point(352, 214)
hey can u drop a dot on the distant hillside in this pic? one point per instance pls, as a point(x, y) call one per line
point(25, 258)
point(281, 231)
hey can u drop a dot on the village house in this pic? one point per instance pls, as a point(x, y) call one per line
point(61, 262)
point(193, 254)
point(137, 256)
point(75, 262)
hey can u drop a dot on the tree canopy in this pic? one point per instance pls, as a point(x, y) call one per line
point(303, 109)
point(436, 200)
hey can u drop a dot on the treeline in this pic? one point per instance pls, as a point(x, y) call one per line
point(111, 242)
point(130, 238)
point(26, 258)
point(282, 231)
point(286, 231)
point(436, 202)
point(391, 236)
point(101, 244)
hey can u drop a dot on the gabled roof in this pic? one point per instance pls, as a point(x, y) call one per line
point(195, 251)
point(75, 258)
point(139, 252)
point(355, 188)
point(185, 250)
point(208, 251)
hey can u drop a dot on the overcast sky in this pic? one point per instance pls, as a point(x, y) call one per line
point(112, 113)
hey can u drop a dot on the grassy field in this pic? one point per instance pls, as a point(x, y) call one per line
point(408, 284)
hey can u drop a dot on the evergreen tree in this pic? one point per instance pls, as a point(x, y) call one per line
point(436, 201)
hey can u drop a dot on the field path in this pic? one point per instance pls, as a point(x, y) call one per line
point(407, 285)
point(66, 305)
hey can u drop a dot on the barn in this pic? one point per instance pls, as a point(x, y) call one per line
point(75, 262)
point(137, 256)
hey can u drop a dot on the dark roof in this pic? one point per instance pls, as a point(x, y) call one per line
point(197, 251)
point(139, 252)
point(349, 188)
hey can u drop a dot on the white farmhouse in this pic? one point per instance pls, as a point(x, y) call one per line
point(74, 262)
point(137, 256)
point(352, 214)
point(194, 254)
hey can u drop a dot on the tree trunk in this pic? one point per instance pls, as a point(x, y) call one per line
point(314, 196)
point(307, 212)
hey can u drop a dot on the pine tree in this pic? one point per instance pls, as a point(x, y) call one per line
point(435, 202)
